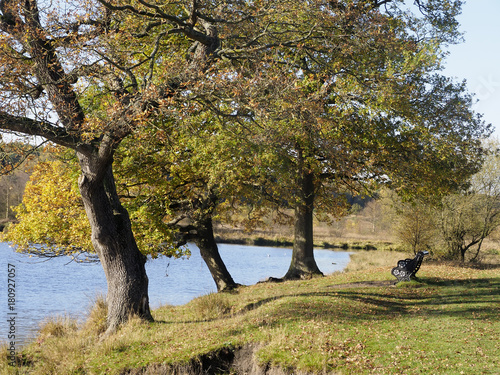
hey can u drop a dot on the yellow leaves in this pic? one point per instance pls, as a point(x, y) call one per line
point(92, 128)
point(52, 217)
point(52, 211)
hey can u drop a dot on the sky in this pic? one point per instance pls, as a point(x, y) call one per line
point(477, 60)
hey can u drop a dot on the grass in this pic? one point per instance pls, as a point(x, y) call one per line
point(355, 322)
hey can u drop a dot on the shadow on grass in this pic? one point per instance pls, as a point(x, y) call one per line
point(478, 298)
point(366, 301)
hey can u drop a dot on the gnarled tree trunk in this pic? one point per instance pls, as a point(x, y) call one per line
point(113, 240)
point(200, 230)
point(209, 251)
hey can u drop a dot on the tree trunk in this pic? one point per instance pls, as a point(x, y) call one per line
point(473, 259)
point(209, 251)
point(112, 236)
point(114, 242)
point(303, 264)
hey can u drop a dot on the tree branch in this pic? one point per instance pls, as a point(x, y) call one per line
point(158, 13)
point(25, 125)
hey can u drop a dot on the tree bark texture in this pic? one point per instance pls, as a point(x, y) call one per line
point(114, 242)
point(210, 253)
point(303, 264)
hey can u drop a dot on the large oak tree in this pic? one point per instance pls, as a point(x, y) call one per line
point(357, 101)
point(43, 57)
point(50, 57)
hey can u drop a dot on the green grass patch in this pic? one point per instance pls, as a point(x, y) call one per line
point(446, 322)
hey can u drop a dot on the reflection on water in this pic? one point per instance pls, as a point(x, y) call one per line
point(61, 287)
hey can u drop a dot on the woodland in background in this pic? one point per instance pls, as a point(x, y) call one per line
point(385, 223)
point(11, 194)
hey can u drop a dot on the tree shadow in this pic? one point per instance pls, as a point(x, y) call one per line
point(370, 300)
point(380, 300)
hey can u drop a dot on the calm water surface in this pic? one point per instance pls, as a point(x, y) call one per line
point(58, 286)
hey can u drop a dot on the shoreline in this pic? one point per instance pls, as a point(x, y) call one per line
point(337, 245)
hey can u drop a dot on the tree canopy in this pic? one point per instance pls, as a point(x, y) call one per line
point(331, 94)
point(361, 102)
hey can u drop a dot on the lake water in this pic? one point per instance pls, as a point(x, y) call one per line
point(51, 287)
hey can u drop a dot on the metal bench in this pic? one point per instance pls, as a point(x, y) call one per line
point(407, 268)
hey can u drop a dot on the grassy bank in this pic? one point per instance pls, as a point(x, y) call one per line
point(354, 322)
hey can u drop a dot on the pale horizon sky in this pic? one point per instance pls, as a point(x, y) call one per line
point(477, 60)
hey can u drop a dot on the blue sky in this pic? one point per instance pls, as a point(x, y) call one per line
point(478, 59)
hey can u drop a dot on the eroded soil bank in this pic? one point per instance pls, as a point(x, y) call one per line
point(238, 361)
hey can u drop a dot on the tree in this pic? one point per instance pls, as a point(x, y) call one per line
point(172, 179)
point(52, 59)
point(416, 226)
point(468, 217)
point(358, 103)
point(39, 98)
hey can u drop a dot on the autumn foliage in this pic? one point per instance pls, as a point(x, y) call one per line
point(290, 104)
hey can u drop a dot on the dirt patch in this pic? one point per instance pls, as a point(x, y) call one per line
point(245, 361)
point(238, 361)
point(365, 284)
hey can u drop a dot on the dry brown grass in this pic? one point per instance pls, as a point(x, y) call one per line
point(211, 306)
point(363, 259)
point(57, 327)
point(96, 322)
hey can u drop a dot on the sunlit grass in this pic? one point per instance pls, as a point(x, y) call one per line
point(446, 322)
point(211, 306)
